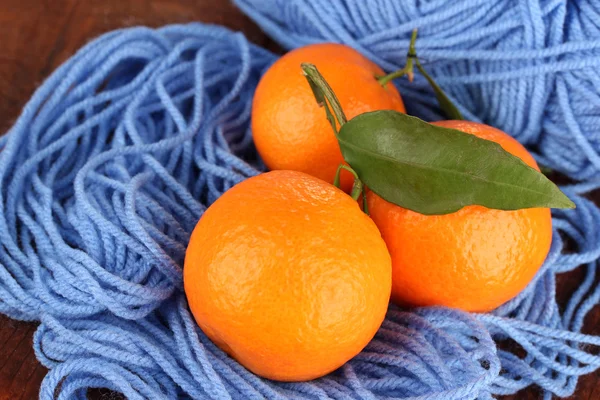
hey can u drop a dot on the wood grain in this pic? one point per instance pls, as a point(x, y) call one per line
point(36, 36)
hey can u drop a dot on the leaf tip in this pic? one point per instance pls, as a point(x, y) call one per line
point(562, 200)
point(569, 204)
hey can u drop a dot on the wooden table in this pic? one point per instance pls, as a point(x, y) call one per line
point(36, 36)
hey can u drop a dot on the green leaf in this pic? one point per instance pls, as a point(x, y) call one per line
point(435, 170)
point(445, 103)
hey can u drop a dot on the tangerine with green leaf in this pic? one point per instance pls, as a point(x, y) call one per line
point(288, 127)
point(287, 275)
point(474, 259)
point(430, 189)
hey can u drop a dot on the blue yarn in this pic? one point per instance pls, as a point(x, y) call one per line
point(530, 68)
point(118, 153)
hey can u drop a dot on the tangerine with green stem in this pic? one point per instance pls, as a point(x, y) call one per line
point(467, 256)
point(288, 127)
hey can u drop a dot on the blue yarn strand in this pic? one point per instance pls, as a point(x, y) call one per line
point(119, 152)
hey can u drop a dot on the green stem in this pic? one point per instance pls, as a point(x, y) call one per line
point(357, 187)
point(408, 68)
point(324, 95)
point(336, 180)
point(412, 61)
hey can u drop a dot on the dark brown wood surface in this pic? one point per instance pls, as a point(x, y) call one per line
point(38, 35)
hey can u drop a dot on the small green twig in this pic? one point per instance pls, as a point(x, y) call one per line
point(408, 68)
point(324, 95)
point(357, 187)
point(412, 61)
point(336, 180)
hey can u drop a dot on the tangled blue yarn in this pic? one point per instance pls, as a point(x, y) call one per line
point(530, 68)
point(118, 153)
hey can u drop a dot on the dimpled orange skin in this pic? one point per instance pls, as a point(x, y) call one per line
point(474, 259)
point(289, 128)
point(287, 275)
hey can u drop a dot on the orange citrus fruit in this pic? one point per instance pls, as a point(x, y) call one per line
point(287, 275)
point(474, 259)
point(289, 128)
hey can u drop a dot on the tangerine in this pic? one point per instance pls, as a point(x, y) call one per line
point(474, 259)
point(287, 275)
point(288, 126)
